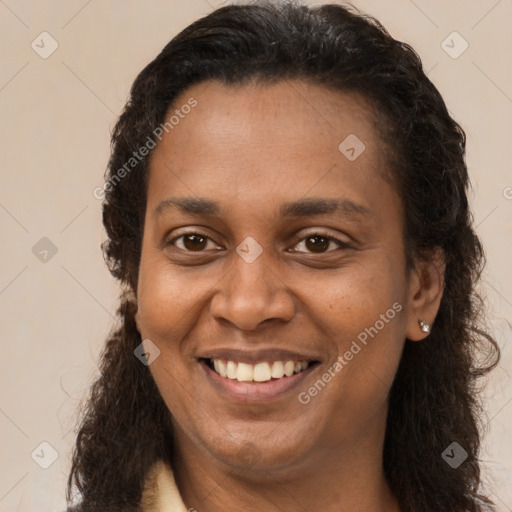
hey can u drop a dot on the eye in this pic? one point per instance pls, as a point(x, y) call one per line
point(319, 243)
point(193, 242)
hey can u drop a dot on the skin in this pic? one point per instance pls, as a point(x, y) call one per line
point(251, 149)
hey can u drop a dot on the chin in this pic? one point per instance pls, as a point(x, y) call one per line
point(272, 451)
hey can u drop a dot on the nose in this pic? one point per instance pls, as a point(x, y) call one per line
point(251, 294)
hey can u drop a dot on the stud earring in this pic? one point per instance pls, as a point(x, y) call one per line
point(425, 326)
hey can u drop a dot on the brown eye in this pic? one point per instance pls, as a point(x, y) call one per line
point(193, 242)
point(317, 243)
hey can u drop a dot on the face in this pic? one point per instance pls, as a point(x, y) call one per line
point(273, 277)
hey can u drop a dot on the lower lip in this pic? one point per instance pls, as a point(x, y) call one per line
point(253, 392)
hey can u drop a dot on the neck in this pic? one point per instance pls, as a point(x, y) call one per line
point(350, 477)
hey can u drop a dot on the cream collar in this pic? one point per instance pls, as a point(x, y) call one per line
point(161, 493)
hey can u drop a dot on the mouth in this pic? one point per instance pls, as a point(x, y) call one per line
point(257, 378)
point(263, 371)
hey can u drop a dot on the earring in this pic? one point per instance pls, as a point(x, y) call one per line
point(425, 326)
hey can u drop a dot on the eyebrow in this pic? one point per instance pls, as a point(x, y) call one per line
point(194, 205)
point(302, 208)
point(310, 207)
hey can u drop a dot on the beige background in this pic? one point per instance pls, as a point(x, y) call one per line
point(56, 116)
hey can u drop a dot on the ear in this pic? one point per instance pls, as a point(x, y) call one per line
point(426, 285)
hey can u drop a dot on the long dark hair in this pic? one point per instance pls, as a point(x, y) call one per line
point(125, 426)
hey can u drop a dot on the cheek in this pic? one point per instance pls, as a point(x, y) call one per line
point(167, 310)
point(374, 310)
point(167, 300)
point(353, 298)
point(364, 317)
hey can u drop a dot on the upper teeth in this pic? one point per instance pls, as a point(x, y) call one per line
point(259, 372)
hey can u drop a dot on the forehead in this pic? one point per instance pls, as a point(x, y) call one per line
point(259, 141)
point(282, 112)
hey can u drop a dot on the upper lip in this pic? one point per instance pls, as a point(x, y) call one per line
point(256, 356)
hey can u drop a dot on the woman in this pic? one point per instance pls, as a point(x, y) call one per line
point(286, 210)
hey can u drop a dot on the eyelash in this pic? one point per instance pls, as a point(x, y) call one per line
point(341, 245)
point(330, 238)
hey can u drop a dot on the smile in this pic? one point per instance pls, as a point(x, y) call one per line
point(258, 381)
point(260, 372)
